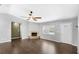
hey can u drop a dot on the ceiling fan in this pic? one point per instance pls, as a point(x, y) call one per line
point(30, 16)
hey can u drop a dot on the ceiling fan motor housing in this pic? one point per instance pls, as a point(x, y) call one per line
point(30, 14)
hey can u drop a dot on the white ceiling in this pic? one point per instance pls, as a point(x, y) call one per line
point(4, 8)
point(49, 12)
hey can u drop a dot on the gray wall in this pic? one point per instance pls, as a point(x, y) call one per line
point(47, 36)
point(5, 27)
point(27, 27)
point(78, 35)
point(33, 27)
point(57, 23)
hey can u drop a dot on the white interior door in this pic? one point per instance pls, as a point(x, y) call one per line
point(66, 33)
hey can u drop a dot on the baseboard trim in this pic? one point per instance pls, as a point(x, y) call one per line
point(5, 41)
point(60, 42)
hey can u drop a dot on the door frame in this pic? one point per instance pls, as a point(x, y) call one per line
point(19, 31)
point(70, 31)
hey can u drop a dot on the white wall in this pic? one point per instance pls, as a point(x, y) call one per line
point(5, 27)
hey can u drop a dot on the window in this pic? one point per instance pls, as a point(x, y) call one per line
point(49, 29)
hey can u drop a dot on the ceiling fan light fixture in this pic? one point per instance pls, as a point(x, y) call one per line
point(31, 12)
point(31, 17)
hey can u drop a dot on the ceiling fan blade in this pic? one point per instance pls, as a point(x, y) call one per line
point(38, 17)
point(34, 18)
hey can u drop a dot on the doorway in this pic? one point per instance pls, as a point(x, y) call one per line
point(15, 30)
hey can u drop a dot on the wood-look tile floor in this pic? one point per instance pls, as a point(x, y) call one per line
point(37, 46)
